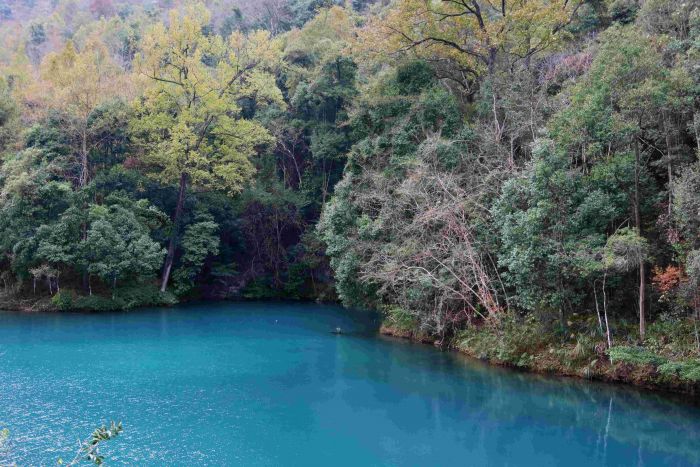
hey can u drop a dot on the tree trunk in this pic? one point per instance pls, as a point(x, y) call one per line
point(170, 258)
point(84, 169)
point(605, 311)
point(83, 181)
point(642, 291)
point(492, 61)
point(638, 224)
point(86, 277)
point(696, 305)
point(669, 167)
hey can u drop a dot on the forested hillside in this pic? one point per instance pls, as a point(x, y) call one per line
point(518, 179)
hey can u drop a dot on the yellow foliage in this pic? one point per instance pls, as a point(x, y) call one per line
point(472, 33)
point(79, 81)
point(189, 117)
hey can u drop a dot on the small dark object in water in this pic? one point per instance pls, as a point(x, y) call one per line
point(337, 331)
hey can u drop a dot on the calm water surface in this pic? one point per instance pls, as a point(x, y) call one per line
point(268, 384)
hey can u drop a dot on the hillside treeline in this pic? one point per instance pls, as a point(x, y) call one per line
point(516, 177)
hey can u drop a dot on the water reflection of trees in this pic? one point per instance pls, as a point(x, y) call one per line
point(460, 388)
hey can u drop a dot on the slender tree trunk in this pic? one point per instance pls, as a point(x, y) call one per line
point(597, 310)
point(669, 167)
point(492, 61)
point(86, 276)
point(638, 224)
point(605, 311)
point(84, 163)
point(84, 178)
point(642, 291)
point(170, 258)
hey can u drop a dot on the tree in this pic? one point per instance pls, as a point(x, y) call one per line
point(59, 242)
point(623, 105)
point(322, 84)
point(77, 83)
point(118, 244)
point(199, 241)
point(474, 34)
point(9, 116)
point(552, 221)
point(190, 119)
point(406, 229)
point(625, 251)
point(102, 8)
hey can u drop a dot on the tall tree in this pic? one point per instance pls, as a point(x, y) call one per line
point(191, 118)
point(474, 34)
point(78, 82)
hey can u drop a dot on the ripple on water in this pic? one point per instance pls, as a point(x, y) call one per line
point(268, 384)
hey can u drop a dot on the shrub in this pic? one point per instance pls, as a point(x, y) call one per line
point(97, 303)
point(126, 298)
point(260, 289)
point(63, 300)
point(400, 319)
point(635, 356)
point(515, 341)
point(688, 370)
point(145, 295)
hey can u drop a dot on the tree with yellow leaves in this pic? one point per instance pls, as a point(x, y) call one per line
point(77, 82)
point(190, 118)
point(475, 34)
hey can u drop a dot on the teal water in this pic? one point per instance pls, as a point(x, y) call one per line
point(268, 384)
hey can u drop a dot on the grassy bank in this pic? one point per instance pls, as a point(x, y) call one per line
point(665, 361)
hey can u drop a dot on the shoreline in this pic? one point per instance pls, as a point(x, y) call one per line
point(645, 377)
point(640, 376)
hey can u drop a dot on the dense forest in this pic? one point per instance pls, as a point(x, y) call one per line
point(516, 179)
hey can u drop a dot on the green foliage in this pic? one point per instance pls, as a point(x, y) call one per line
point(97, 303)
point(689, 370)
point(413, 77)
point(508, 187)
point(411, 188)
point(685, 370)
point(635, 356)
point(63, 301)
point(625, 250)
point(199, 242)
point(118, 244)
point(400, 319)
point(514, 340)
point(624, 11)
point(553, 224)
point(190, 120)
point(4, 434)
point(125, 298)
point(260, 289)
point(90, 449)
point(144, 295)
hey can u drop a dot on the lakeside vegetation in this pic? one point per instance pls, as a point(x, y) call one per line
point(517, 180)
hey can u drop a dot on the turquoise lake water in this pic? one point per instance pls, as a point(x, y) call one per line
point(260, 384)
